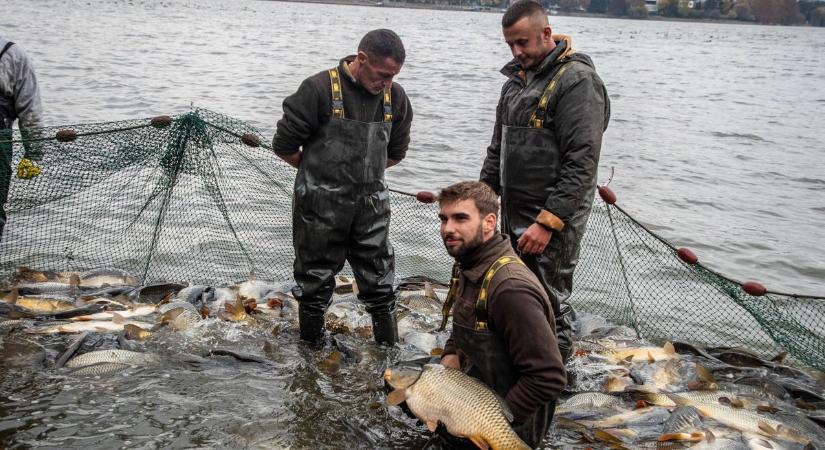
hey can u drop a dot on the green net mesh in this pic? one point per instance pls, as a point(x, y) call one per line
point(200, 198)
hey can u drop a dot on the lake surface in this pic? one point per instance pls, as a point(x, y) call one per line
point(715, 140)
point(715, 136)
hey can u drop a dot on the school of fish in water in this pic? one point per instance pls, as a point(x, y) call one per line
point(622, 392)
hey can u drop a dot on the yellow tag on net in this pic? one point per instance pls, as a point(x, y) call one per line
point(27, 170)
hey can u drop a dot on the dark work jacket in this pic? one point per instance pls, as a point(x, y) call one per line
point(310, 107)
point(578, 113)
point(521, 318)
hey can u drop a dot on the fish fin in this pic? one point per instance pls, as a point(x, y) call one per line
point(117, 318)
point(429, 291)
point(204, 312)
point(604, 436)
point(766, 408)
point(101, 329)
point(354, 287)
point(13, 296)
point(695, 436)
point(766, 428)
point(673, 437)
point(431, 425)
point(679, 400)
point(397, 397)
point(81, 319)
point(670, 350)
point(74, 281)
point(479, 442)
point(780, 357)
point(437, 351)
point(709, 436)
point(650, 358)
point(229, 308)
point(704, 374)
point(123, 299)
point(70, 350)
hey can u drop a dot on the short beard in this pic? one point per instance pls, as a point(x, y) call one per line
point(468, 246)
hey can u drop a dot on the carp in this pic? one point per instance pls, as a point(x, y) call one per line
point(465, 406)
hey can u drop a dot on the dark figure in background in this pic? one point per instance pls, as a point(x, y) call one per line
point(19, 99)
point(544, 153)
point(341, 129)
point(504, 331)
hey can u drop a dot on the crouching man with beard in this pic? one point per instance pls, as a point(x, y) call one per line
point(503, 325)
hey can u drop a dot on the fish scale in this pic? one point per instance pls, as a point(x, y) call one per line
point(112, 356)
point(463, 404)
point(748, 421)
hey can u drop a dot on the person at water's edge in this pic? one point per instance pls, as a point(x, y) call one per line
point(341, 129)
point(511, 344)
point(543, 161)
point(19, 100)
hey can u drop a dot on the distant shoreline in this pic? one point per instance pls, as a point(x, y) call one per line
point(431, 6)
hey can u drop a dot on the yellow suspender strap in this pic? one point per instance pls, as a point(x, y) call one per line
point(448, 302)
point(337, 94)
point(388, 104)
point(539, 115)
point(481, 303)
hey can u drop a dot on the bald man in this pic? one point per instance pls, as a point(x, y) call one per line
point(544, 153)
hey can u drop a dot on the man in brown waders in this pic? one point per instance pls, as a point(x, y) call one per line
point(341, 129)
point(544, 153)
point(504, 330)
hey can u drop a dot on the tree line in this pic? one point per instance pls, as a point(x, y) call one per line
point(782, 12)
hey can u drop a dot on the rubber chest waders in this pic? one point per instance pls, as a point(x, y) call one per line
point(341, 212)
point(530, 167)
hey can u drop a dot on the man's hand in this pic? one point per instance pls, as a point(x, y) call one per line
point(451, 361)
point(534, 240)
point(26, 169)
point(293, 159)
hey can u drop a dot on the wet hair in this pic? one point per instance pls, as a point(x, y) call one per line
point(520, 10)
point(384, 44)
point(482, 195)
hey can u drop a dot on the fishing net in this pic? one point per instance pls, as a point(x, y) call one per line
point(201, 198)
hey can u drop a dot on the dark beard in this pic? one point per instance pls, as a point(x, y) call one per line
point(468, 246)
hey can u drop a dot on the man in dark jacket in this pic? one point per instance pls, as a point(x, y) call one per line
point(19, 99)
point(341, 129)
point(503, 325)
point(544, 153)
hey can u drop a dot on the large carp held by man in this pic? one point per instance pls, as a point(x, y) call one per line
point(223, 367)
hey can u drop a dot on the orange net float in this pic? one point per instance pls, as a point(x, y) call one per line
point(687, 255)
point(251, 140)
point(607, 195)
point(161, 121)
point(425, 197)
point(66, 135)
point(754, 288)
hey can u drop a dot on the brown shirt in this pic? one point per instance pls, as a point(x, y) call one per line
point(310, 107)
point(520, 313)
